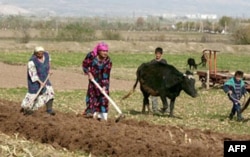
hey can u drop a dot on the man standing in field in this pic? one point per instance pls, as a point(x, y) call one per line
point(158, 58)
point(40, 90)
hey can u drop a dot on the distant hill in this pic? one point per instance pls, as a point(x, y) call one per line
point(12, 10)
point(132, 8)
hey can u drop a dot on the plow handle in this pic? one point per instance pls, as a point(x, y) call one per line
point(38, 92)
point(106, 95)
point(245, 105)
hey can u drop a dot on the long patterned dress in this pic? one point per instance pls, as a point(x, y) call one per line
point(37, 70)
point(95, 100)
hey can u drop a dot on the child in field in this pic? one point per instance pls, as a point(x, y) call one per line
point(235, 89)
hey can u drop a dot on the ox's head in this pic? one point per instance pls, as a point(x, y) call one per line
point(188, 84)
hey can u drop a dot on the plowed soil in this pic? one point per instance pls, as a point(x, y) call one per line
point(127, 138)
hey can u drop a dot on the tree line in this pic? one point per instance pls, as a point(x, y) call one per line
point(84, 29)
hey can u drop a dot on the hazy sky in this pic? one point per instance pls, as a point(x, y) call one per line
point(233, 8)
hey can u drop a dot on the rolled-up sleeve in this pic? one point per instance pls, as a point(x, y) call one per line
point(86, 63)
point(32, 71)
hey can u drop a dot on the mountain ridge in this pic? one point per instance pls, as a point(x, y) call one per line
point(131, 8)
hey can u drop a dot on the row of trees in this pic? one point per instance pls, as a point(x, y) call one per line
point(83, 29)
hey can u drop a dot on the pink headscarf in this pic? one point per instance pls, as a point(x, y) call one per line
point(100, 47)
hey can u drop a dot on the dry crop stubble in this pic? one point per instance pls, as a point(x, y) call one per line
point(15, 145)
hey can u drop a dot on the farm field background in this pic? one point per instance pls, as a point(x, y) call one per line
point(207, 114)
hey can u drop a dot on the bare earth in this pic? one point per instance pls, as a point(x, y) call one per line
point(12, 76)
point(128, 138)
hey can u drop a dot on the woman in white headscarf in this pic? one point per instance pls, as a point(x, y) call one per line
point(40, 90)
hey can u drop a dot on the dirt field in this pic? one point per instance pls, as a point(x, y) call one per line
point(123, 139)
point(12, 76)
point(128, 138)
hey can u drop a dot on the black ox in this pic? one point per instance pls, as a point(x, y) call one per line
point(164, 80)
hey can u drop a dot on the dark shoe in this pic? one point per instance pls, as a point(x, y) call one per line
point(239, 116)
point(49, 105)
point(240, 119)
point(26, 111)
point(22, 110)
point(231, 116)
point(52, 113)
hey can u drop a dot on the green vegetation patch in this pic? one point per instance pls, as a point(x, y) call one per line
point(225, 61)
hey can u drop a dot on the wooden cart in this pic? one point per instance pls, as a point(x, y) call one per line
point(212, 76)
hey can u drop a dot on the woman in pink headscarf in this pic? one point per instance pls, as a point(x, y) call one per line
point(97, 65)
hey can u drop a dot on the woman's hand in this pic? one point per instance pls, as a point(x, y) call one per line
point(41, 83)
point(90, 76)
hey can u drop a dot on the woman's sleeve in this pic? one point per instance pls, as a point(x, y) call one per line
point(106, 75)
point(32, 71)
point(86, 63)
